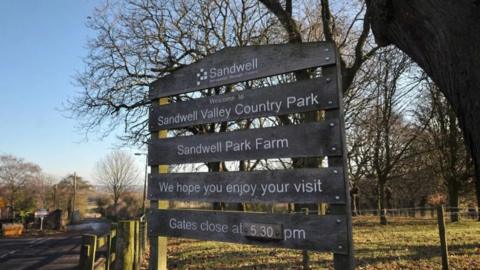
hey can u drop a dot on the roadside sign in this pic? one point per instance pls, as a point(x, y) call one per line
point(300, 139)
point(41, 213)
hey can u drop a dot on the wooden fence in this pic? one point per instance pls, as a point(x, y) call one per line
point(422, 212)
point(123, 247)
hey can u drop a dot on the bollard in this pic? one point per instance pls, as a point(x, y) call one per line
point(125, 257)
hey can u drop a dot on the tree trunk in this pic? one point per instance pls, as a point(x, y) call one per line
point(453, 200)
point(443, 37)
point(381, 203)
point(115, 207)
point(354, 204)
point(12, 209)
point(478, 195)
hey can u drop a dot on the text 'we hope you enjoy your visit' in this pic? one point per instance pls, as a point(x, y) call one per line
point(302, 185)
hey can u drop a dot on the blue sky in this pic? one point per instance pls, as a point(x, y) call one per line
point(41, 47)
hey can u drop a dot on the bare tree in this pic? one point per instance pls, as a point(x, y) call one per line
point(448, 154)
point(41, 187)
point(139, 41)
point(442, 36)
point(350, 31)
point(118, 173)
point(386, 134)
point(15, 173)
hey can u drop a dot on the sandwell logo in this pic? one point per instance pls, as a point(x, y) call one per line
point(235, 70)
point(202, 75)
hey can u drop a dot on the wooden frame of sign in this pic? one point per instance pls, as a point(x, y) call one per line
point(331, 232)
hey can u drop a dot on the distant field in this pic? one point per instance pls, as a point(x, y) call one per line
point(404, 244)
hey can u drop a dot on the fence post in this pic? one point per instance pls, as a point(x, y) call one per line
point(443, 237)
point(112, 246)
point(137, 245)
point(143, 240)
point(87, 252)
point(125, 245)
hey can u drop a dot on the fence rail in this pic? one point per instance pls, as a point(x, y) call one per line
point(422, 212)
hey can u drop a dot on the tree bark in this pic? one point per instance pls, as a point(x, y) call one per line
point(381, 202)
point(477, 187)
point(443, 37)
point(453, 200)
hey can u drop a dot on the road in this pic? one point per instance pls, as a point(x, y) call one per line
point(48, 252)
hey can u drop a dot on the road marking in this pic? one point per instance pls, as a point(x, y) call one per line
point(39, 241)
point(33, 243)
point(9, 253)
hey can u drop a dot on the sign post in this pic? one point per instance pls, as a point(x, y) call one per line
point(327, 233)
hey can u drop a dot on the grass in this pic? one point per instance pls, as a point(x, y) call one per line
point(403, 244)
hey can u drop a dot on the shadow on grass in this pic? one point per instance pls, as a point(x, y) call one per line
point(272, 259)
point(416, 253)
point(268, 259)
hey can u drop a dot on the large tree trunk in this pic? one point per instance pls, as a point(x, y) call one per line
point(478, 194)
point(453, 199)
point(443, 37)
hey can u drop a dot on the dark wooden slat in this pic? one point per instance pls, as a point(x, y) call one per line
point(312, 139)
point(302, 96)
point(322, 185)
point(237, 64)
point(312, 232)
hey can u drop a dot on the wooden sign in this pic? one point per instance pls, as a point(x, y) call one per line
point(301, 186)
point(331, 232)
point(302, 96)
point(304, 140)
point(232, 65)
point(312, 232)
